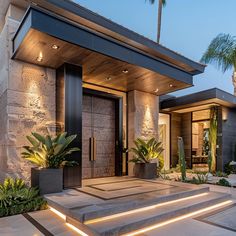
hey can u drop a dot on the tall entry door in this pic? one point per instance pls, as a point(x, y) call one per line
point(98, 137)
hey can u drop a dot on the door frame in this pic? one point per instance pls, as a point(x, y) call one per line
point(118, 124)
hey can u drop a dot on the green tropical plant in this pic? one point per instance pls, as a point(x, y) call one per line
point(182, 162)
point(223, 182)
point(221, 174)
point(200, 178)
point(212, 140)
point(17, 198)
point(161, 4)
point(146, 151)
point(49, 152)
point(229, 169)
point(222, 52)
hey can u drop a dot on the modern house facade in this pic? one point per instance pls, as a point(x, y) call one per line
point(65, 68)
point(189, 117)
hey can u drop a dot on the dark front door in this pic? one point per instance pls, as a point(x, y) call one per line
point(98, 137)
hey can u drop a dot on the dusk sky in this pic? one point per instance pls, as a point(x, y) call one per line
point(188, 26)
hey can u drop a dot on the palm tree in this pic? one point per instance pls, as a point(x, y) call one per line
point(222, 52)
point(161, 4)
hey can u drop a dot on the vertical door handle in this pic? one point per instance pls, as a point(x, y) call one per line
point(92, 142)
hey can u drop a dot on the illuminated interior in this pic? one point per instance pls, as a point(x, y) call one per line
point(164, 137)
point(200, 137)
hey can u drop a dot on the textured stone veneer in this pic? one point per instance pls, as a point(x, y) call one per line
point(143, 112)
point(27, 104)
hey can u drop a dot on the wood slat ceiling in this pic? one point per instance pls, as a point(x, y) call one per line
point(96, 67)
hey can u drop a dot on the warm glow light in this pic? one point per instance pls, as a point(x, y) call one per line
point(40, 57)
point(177, 219)
point(143, 209)
point(76, 229)
point(171, 85)
point(156, 90)
point(58, 213)
point(125, 71)
point(108, 78)
point(55, 47)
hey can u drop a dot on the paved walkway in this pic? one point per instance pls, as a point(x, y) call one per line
point(48, 223)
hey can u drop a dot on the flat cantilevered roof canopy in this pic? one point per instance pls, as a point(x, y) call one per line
point(106, 61)
point(200, 100)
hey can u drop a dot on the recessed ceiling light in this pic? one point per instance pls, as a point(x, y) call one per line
point(157, 90)
point(55, 47)
point(108, 78)
point(125, 71)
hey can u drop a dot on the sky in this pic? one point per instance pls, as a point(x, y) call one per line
point(188, 26)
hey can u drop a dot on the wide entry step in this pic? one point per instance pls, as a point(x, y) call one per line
point(120, 205)
point(127, 221)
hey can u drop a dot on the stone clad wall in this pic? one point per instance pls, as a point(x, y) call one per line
point(27, 104)
point(143, 114)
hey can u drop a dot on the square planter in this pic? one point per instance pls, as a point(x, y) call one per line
point(145, 170)
point(72, 177)
point(47, 180)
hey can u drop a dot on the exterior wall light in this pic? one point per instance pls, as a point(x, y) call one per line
point(40, 57)
point(171, 85)
point(125, 71)
point(156, 91)
point(108, 78)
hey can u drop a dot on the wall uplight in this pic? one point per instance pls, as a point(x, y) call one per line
point(40, 57)
point(108, 78)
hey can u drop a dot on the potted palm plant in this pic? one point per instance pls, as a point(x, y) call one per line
point(49, 155)
point(146, 154)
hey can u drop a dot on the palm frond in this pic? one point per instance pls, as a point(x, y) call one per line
point(221, 52)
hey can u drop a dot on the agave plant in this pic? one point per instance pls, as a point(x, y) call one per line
point(146, 151)
point(16, 198)
point(48, 152)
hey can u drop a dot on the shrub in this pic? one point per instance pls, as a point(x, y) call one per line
point(220, 174)
point(17, 198)
point(223, 182)
point(229, 169)
point(201, 178)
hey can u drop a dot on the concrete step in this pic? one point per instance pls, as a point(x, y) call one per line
point(107, 208)
point(131, 221)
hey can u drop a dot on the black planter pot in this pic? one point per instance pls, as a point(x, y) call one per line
point(72, 177)
point(47, 180)
point(145, 170)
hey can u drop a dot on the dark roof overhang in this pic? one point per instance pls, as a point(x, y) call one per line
point(205, 99)
point(82, 45)
point(100, 24)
